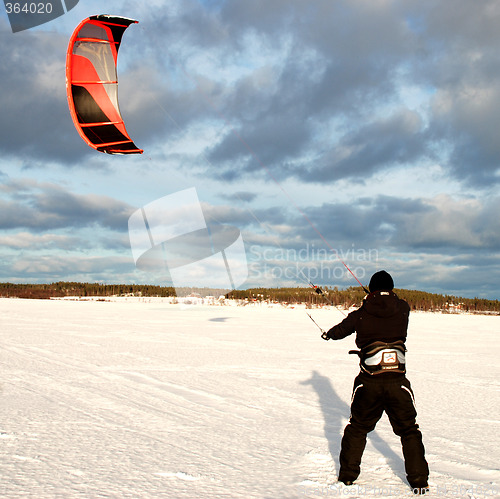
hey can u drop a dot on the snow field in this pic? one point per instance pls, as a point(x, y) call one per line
point(142, 398)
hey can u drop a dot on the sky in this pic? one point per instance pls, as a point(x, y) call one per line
point(333, 135)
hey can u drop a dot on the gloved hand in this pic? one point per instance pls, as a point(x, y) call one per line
point(325, 336)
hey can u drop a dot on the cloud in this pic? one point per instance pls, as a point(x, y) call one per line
point(36, 242)
point(344, 62)
point(44, 206)
point(40, 268)
point(459, 61)
point(448, 224)
point(451, 223)
point(383, 144)
point(243, 196)
point(465, 119)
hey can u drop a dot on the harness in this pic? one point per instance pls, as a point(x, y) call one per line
point(381, 357)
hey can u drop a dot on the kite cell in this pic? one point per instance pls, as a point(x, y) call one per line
point(92, 84)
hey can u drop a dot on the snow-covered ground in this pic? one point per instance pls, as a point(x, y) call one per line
point(146, 399)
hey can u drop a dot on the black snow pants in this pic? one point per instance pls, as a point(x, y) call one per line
point(372, 395)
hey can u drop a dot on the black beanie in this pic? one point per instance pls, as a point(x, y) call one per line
point(381, 280)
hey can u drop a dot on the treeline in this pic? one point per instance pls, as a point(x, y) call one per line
point(353, 296)
point(340, 298)
point(345, 298)
point(83, 289)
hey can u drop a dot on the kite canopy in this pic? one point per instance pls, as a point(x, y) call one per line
point(92, 84)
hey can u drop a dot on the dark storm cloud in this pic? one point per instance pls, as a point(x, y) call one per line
point(394, 141)
point(257, 146)
point(339, 62)
point(462, 63)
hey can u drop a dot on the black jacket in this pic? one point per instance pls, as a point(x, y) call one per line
point(382, 317)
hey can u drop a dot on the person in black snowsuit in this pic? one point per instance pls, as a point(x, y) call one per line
point(381, 326)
